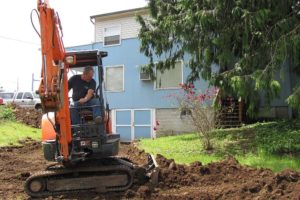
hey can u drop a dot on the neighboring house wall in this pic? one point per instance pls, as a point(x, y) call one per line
point(129, 27)
point(279, 107)
point(125, 19)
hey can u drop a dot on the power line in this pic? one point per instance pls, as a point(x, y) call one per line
point(18, 40)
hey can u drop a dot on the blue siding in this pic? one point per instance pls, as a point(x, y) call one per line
point(284, 78)
point(137, 94)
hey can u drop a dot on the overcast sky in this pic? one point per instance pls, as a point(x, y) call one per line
point(19, 44)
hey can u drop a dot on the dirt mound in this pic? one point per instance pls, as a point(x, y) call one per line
point(131, 151)
point(29, 116)
point(225, 180)
point(220, 180)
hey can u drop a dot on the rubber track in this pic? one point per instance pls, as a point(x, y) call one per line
point(47, 174)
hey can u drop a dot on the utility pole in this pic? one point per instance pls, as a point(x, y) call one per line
point(32, 82)
point(18, 84)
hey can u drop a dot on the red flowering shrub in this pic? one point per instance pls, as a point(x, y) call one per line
point(201, 107)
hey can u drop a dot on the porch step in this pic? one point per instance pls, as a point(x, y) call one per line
point(231, 114)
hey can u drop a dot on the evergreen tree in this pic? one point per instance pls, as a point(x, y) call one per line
point(249, 41)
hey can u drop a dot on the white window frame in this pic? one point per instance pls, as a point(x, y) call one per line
point(168, 88)
point(104, 35)
point(114, 66)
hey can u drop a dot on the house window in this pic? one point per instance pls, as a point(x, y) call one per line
point(169, 78)
point(112, 35)
point(114, 79)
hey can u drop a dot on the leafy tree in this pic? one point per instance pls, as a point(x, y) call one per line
point(249, 40)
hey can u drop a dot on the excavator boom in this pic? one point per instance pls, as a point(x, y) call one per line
point(53, 89)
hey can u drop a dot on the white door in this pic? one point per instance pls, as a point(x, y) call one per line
point(134, 124)
point(142, 124)
point(123, 125)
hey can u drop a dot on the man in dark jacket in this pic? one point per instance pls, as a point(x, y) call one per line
point(83, 87)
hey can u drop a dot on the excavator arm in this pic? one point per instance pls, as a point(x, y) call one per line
point(53, 89)
point(56, 62)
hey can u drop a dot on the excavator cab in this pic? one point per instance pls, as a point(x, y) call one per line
point(89, 139)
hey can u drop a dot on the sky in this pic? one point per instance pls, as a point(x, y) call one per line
point(20, 56)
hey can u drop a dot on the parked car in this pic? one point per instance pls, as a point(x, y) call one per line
point(27, 99)
point(7, 97)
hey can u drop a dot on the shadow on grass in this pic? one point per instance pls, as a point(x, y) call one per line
point(274, 138)
point(234, 142)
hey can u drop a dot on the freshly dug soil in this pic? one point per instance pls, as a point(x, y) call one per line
point(220, 180)
point(29, 116)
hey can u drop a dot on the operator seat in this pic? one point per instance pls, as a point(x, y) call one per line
point(86, 115)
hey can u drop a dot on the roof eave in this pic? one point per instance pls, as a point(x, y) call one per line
point(120, 12)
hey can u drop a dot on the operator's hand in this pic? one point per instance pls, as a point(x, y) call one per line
point(82, 100)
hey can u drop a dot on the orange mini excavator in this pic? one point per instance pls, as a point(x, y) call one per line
point(85, 154)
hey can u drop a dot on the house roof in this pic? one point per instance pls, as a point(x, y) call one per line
point(122, 12)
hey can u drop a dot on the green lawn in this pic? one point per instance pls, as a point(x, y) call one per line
point(12, 132)
point(274, 145)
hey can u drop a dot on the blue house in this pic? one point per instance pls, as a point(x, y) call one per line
point(137, 103)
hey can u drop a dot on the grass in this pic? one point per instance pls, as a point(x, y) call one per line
point(273, 145)
point(182, 148)
point(274, 162)
point(12, 132)
point(6, 113)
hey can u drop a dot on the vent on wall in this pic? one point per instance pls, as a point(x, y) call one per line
point(144, 76)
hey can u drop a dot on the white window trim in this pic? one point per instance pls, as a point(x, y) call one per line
point(109, 26)
point(112, 66)
point(170, 88)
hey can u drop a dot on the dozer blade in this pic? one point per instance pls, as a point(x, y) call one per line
point(152, 170)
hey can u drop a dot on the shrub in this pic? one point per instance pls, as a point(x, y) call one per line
point(7, 113)
point(200, 106)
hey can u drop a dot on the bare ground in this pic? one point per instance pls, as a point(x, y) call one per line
point(220, 180)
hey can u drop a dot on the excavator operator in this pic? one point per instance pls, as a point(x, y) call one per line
point(83, 87)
